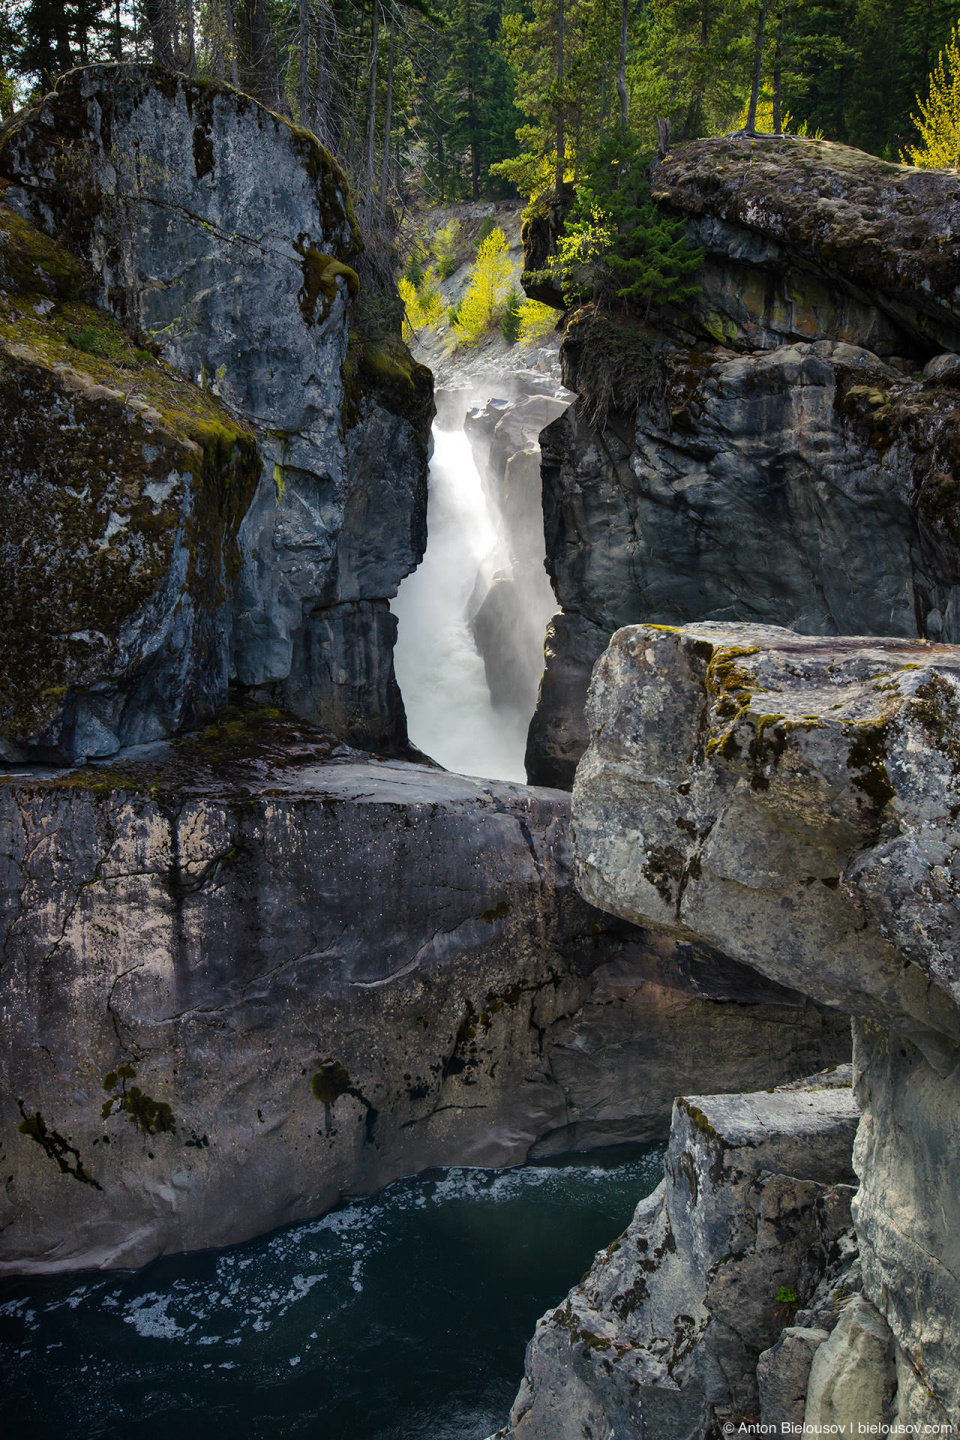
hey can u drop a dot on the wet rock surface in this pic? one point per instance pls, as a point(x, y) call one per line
point(793, 800)
point(222, 238)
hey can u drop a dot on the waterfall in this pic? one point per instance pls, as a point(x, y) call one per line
point(475, 542)
point(450, 713)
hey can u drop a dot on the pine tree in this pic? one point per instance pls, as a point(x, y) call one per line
point(617, 247)
point(510, 321)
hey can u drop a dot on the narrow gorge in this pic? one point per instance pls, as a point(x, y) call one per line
point(302, 925)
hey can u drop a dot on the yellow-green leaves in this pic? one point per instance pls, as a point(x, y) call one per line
point(480, 307)
point(939, 118)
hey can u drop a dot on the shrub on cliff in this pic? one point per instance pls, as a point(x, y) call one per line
point(616, 247)
point(939, 118)
point(445, 244)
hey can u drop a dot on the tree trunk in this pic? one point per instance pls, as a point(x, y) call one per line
point(324, 124)
point(233, 69)
point(777, 83)
point(304, 62)
point(622, 66)
point(372, 117)
point(161, 32)
point(388, 117)
point(190, 49)
point(751, 125)
point(561, 133)
point(264, 61)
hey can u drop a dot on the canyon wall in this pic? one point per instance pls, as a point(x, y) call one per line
point(213, 291)
point(792, 800)
point(788, 454)
point(250, 968)
point(250, 971)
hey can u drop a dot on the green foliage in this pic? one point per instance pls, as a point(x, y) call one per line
point(616, 247)
point(510, 320)
point(471, 106)
point(939, 118)
point(153, 1117)
point(96, 342)
point(481, 306)
point(785, 1296)
point(413, 271)
point(445, 244)
point(423, 308)
point(536, 321)
point(487, 225)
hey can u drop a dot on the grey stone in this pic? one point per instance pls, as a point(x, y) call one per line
point(847, 241)
point(793, 801)
point(943, 368)
point(332, 970)
point(782, 1375)
point(784, 798)
point(792, 465)
point(558, 730)
point(662, 1017)
point(661, 1338)
point(852, 1375)
point(124, 486)
point(224, 236)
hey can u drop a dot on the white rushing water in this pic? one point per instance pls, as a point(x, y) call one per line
point(450, 715)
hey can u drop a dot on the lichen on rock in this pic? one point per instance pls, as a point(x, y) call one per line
point(807, 790)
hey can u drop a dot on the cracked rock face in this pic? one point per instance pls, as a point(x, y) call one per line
point(223, 237)
point(863, 250)
point(249, 972)
point(794, 802)
point(124, 487)
point(661, 1338)
point(794, 463)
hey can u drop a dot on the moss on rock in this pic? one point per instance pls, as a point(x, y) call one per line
point(113, 463)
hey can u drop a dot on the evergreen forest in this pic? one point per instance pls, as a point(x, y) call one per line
point(439, 101)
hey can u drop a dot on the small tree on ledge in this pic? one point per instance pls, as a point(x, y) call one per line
point(617, 248)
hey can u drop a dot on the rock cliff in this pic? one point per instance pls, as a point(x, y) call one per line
point(793, 800)
point(221, 241)
point(251, 970)
point(662, 1336)
point(790, 455)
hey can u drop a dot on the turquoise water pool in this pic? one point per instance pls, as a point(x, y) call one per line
point(400, 1316)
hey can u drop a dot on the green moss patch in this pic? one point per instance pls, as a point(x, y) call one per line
point(152, 1117)
point(111, 458)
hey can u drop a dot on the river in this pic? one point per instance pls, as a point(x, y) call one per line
point(400, 1316)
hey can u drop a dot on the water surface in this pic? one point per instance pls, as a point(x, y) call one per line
point(401, 1316)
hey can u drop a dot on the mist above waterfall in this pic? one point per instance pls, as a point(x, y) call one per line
point(482, 579)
